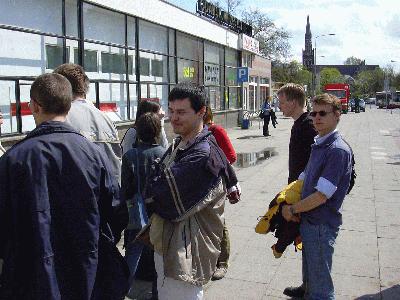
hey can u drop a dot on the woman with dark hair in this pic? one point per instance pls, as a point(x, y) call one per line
point(129, 140)
point(136, 165)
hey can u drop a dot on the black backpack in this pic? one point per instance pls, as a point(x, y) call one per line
point(353, 170)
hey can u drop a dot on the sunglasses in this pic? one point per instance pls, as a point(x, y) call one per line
point(322, 113)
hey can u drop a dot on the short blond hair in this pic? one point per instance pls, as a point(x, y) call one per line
point(293, 92)
point(328, 99)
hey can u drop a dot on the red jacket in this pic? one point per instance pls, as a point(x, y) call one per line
point(223, 142)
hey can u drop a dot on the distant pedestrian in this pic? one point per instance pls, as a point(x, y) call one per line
point(145, 106)
point(189, 193)
point(326, 181)
point(266, 114)
point(136, 166)
point(292, 99)
point(90, 121)
point(57, 199)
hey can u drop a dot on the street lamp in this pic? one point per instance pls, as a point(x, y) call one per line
point(315, 58)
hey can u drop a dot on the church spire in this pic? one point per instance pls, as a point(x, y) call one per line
point(308, 52)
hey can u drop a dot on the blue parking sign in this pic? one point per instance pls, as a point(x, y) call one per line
point(242, 74)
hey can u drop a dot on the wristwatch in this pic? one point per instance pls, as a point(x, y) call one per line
point(291, 208)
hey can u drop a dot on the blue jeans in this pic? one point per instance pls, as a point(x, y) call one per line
point(318, 242)
point(133, 251)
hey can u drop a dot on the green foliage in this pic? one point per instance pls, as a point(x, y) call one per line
point(292, 72)
point(369, 82)
point(274, 41)
point(330, 75)
point(352, 61)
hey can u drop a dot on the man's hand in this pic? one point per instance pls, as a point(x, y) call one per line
point(287, 214)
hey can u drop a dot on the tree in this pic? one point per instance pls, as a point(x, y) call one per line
point(229, 6)
point(274, 41)
point(369, 82)
point(330, 75)
point(353, 61)
point(291, 72)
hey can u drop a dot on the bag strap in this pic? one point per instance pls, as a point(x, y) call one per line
point(138, 171)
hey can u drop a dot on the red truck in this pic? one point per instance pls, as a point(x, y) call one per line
point(342, 91)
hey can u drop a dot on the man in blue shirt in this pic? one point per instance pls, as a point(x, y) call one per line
point(326, 181)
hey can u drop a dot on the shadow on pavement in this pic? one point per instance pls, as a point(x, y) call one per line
point(392, 293)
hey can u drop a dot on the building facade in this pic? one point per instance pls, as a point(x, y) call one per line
point(131, 50)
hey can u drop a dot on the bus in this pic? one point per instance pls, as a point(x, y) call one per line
point(383, 99)
point(394, 100)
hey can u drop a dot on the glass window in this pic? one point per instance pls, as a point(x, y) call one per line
point(187, 70)
point(211, 74)
point(71, 17)
point(171, 35)
point(89, 60)
point(133, 99)
point(8, 106)
point(231, 75)
point(131, 32)
point(153, 37)
point(187, 46)
point(113, 100)
point(115, 63)
point(233, 98)
point(144, 66)
point(231, 57)
point(264, 80)
point(103, 25)
point(154, 67)
point(214, 97)
point(157, 93)
point(172, 73)
point(211, 52)
point(42, 15)
point(28, 122)
point(24, 54)
point(54, 56)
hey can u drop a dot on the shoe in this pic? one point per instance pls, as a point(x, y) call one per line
point(295, 292)
point(219, 273)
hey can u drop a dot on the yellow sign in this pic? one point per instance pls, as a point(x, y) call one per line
point(188, 72)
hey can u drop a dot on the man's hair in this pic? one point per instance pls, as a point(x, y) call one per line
point(185, 90)
point(295, 92)
point(148, 127)
point(146, 106)
point(53, 93)
point(328, 99)
point(208, 116)
point(76, 76)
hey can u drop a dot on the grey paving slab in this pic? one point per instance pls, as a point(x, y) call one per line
point(228, 289)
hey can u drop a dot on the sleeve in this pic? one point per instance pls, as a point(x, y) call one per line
point(127, 178)
point(3, 200)
point(164, 140)
point(335, 168)
point(224, 143)
point(128, 140)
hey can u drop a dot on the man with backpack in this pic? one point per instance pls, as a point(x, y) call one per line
point(327, 179)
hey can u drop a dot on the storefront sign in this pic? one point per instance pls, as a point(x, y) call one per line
point(216, 14)
point(249, 44)
point(211, 74)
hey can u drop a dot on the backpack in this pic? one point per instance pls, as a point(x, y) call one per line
point(353, 170)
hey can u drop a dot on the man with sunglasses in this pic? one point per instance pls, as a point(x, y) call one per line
point(326, 181)
point(292, 100)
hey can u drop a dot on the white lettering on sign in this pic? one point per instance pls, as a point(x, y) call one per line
point(211, 74)
point(249, 44)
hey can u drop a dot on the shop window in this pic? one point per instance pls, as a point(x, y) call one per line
point(42, 15)
point(54, 56)
point(115, 63)
point(231, 76)
point(155, 92)
point(89, 60)
point(71, 17)
point(187, 46)
point(231, 57)
point(211, 74)
point(172, 73)
point(233, 98)
point(131, 32)
point(211, 53)
point(113, 100)
point(103, 25)
point(157, 68)
point(264, 80)
point(171, 36)
point(133, 101)
point(153, 37)
point(144, 66)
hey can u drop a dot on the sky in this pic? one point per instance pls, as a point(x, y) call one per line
point(367, 29)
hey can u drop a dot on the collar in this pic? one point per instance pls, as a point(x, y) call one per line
point(323, 140)
point(201, 135)
point(302, 117)
point(51, 127)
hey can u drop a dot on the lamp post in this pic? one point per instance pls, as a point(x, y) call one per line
point(315, 58)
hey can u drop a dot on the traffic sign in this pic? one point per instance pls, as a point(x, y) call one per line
point(243, 74)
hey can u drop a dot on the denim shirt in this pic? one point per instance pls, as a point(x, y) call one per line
point(327, 171)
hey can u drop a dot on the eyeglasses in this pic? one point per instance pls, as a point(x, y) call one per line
point(322, 113)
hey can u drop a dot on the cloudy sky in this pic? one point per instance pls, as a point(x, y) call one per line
point(367, 29)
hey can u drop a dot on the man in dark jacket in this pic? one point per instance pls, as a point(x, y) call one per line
point(57, 196)
point(292, 99)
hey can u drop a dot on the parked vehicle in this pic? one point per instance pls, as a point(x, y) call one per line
point(383, 99)
point(342, 91)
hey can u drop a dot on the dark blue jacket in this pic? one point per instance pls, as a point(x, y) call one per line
point(57, 197)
